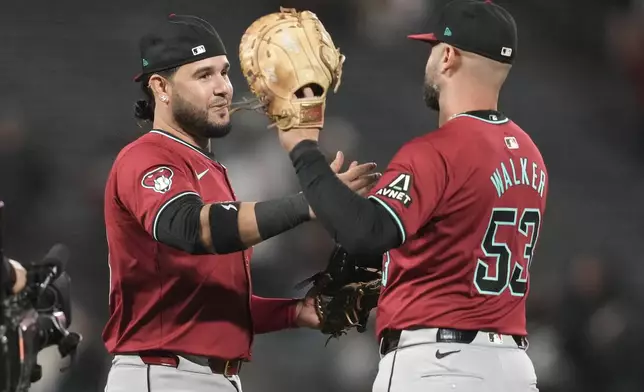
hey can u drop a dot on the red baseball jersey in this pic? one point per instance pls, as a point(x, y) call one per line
point(468, 200)
point(162, 298)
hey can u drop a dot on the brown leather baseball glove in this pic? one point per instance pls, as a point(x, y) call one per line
point(283, 53)
point(344, 293)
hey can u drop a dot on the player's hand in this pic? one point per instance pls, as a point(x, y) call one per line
point(21, 276)
point(307, 317)
point(291, 138)
point(359, 178)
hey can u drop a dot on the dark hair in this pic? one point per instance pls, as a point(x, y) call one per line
point(144, 108)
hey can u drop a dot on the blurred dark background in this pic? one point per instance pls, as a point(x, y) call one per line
point(66, 101)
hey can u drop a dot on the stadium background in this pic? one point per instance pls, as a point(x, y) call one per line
point(66, 100)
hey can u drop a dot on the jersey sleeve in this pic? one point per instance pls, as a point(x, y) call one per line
point(412, 186)
point(149, 178)
point(273, 314)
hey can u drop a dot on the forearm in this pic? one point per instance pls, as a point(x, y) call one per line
point(359, 225)
point(247, 230)
point(249, 233)
point(197, 228)
point(273, 314)
point(256, 221)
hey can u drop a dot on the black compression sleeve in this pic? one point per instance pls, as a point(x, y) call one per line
point(179, 225)
point(358, 224)
point(277, 216)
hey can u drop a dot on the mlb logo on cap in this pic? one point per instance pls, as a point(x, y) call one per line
point(197, 50)
point(175, 41)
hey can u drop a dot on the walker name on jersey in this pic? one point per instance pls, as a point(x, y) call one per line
point(518, 172)
point(398, 189)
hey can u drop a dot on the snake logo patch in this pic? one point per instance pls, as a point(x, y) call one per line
point(398, 189)
point(159, 179)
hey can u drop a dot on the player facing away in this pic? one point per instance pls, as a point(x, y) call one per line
point(457, 215)
point(182, 312)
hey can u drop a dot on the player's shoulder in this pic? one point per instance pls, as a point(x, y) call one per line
point(437, 138)
point(146, 147)
point(425, 143)
point(420, 153)
point(419, 148)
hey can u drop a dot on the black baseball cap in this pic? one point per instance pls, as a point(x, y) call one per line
point(476, 26)
point(178, 40)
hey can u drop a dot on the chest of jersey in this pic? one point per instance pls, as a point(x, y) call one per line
point(211, 181)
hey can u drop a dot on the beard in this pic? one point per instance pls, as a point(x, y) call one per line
point(195, 121)
point(431, 95)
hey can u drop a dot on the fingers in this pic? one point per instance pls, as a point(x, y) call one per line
point(358, 177)
point(308, 93)
point(359, 170)
point(336, 165)
point(371, 179)
point(364, 184)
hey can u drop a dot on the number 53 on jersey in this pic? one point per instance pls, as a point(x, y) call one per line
point(499, 248)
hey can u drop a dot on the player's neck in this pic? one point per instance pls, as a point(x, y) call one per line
point(175, 130)
point(451, 106)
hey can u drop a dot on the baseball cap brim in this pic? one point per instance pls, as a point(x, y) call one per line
point(428, 37)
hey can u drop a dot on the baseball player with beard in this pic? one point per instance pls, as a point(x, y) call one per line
point(457, 215)
point(182, 312)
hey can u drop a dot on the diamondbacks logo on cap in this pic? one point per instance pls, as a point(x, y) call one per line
point(159, 179)
point(448, 32)
point(197, 50)
point(145, 63)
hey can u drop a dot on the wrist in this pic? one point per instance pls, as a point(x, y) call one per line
point(297, 310)
point(302, 207)
point(277, 216)
point(273, 314)
point(293, 137)
point(303, 148)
